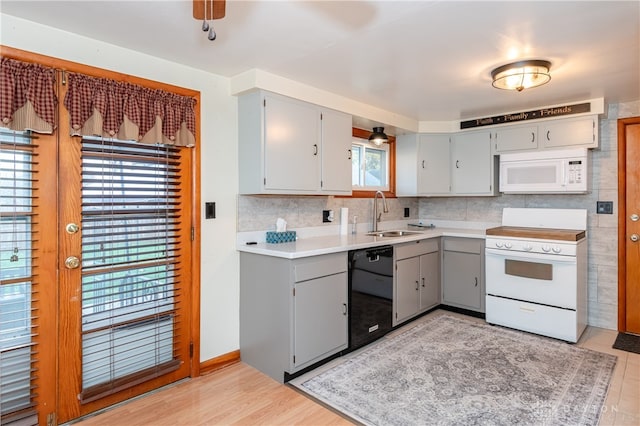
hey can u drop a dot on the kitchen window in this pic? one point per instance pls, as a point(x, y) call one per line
point(373, 166)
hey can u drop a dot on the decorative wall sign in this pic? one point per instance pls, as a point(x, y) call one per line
point(527, 115)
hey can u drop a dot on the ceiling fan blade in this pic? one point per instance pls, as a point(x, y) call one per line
point(215, 9)
point(219, 7)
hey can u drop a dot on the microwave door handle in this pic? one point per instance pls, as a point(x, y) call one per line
point(563, 170)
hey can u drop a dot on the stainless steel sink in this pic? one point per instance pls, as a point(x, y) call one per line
point(397, 233)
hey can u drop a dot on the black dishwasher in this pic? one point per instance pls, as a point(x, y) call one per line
point(370, 294)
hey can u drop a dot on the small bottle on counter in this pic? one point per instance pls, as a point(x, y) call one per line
point(354, 226)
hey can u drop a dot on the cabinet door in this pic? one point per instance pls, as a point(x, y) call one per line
point(429, 280)
point(574, 132)
point(472, 164)
point(291, 145)
point(462, 280)
point(407, 288)
point(434, 165)
point(320, 318)
point(516, 139)
point(336, 152)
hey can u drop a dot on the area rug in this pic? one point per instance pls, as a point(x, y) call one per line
point(627, 342)
point(450, 371)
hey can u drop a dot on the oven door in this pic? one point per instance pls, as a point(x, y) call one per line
point(533, 277)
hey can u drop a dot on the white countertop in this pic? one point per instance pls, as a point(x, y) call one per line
point(313, 246)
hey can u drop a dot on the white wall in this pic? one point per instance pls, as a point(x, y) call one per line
point(219, 277)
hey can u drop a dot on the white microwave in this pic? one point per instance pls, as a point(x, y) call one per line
point(562, 171)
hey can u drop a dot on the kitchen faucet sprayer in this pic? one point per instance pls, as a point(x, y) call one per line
point(385, 209)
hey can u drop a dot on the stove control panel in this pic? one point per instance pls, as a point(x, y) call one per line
point(532, 246)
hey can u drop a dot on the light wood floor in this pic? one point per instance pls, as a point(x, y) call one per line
point(241, 395)
point(235, 395)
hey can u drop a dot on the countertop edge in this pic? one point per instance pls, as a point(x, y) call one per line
point(316, 246)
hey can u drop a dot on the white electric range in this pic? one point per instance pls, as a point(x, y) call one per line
point(536, 272)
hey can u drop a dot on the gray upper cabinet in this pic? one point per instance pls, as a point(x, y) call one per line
point(517, 138)
point(574, 132)
point(558, 133)
point(336, 130)
point(472, 164)
point(445, 165)
point(463, 273)
point(434, 165)
point(423, 165)
point(286, 145)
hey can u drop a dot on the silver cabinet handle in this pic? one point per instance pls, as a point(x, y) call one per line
point(344, 309)
point(457, 164)
point(548, 135)
point(417, 286)
point(315, 149)
point(476, 278)
point(422, 282)
point(423, 164)
point(349, 154)
point(533, 137)
point(634, 238)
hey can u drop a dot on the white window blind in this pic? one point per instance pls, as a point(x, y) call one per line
point(18, 285)
point(131, 259)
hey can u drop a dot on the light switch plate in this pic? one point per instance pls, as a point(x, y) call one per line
point(210, 210)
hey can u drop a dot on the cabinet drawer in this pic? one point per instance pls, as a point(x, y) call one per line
point(465, 245)
point(319, 266)
point(416, 248)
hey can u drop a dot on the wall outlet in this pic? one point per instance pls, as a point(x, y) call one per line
point(604, 207)
point(406, 212)
point(327, 216)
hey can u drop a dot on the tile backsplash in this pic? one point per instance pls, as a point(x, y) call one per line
point(259, 213)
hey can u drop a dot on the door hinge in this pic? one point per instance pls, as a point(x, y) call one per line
point(190, 349)
point(264, 102)
point(265, 181)
point(321, 117)
point(321, 183)
point(193, 233)
point(294, 359)
point(52, 419)
point(294, 291)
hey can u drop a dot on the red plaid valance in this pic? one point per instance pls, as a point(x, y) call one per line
point(103, 107)
point(28, 100)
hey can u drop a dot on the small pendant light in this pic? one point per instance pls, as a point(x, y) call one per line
point(378, 137)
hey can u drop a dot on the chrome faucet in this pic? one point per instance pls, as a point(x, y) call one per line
point(385, 209)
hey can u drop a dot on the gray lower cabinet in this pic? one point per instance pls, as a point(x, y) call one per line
point(293, 312)
point(417, 278)
point(463, 273)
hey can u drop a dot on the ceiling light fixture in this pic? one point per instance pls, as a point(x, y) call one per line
point(521, 75)
point(378, 136)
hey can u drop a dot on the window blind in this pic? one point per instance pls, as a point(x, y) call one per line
point(131, 260)
point(18, 285)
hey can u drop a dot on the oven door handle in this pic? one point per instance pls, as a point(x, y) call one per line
point(530, 257)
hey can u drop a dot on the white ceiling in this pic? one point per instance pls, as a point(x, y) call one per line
point(426, 60)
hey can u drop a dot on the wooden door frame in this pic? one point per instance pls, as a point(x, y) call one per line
point(622, 219)
point(48, 395)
